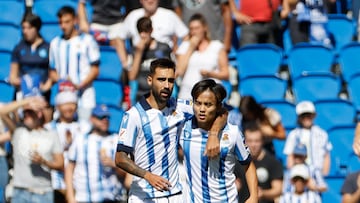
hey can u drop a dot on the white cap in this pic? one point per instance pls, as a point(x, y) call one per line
point(66, 97)
point(305, 107)
point(300, 170)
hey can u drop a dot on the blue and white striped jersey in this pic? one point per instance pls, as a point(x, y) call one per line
point(74, 128)
point(94, 182)
point(72, 60)
point(212, 180)
point(316, 141)
point(152, 136)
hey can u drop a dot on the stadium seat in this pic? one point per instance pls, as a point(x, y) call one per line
point(287, 112)
point(353, 163)
point(116, 114)
point(348, 61)
point(353, 90)
point(316, 87)
point(7, 92)
point(11, 12)
point(279, 148)
point(341, 138)
point(258, 60)
point(50, 30)
point(334, 186)
point(334, 113)
point(110, 65)
point(5, 58)
point(263, 88)
point(306, 59)
point(10, 36)
point(47, 10)
point(341, 28)
point(108, 92)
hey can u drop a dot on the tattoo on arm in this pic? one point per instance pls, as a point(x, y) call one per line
point(128, 165)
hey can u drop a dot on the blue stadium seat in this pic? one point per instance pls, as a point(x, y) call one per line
point(258, 60)
point(110, 65)
point(50, 30)
point(5, 58)
point(279, 148)
point(10, 36)
point(334, 113)
point(334, 186)
point(316, 87)
point(348, 60)
point(306, 59)
point(116, 114)
point(263, 88)
point(353, 89)
point(7, 92)
point(287, 112)
point(341, 28)
point(108, 92)
point(11, 12)
point(53, 92)
point(47, 10)
point(341, 138)
point(353, 163)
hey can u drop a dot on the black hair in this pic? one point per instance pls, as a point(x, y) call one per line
point(209, 84)
point(251, 110)
point(161, 63)
point(144, 24)
point(33, 20)
point(66, 10)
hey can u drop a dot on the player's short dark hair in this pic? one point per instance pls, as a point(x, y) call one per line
point(161, 63)
point(66, 10)
point(33, 20)
point(144, 24)
point(209, 84)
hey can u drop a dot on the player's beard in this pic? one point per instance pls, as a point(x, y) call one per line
point(160, 98)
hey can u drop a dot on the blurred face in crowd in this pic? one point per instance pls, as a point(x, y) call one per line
point(162, 84)
point(197, 29)
point(101, 124)
point(254, 140)
point(306, 120)
point(299, 159)
point(299, 184)
point(29, 32)
point(150, 6)
point(205, 109)
point(67, 111)
point(67, 24)
point(33, 119)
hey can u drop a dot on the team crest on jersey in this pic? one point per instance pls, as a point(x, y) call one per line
point(43, 53)
point(225, 137)
point(186, 134)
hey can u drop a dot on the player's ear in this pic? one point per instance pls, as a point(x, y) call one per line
point(149, 80)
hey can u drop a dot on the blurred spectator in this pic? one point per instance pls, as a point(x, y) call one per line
point(146, 50)
point(91, 174)
point(269, 170)
point(36, 151)
point(75, 57)
point(106, 24)
point(299, 176)
point(166, 24)
point(316, 181)
point(67, 128)
point(269, 120)
point(4, 175)
point(216, 13)
point(350, 189)
point(312, 136)
point(307, 22)
point(200, 57)
point(135, 4)
point(31, 56)
point(255, 18)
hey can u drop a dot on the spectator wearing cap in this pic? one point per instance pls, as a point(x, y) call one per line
point(67, 128)
point(91, 174)
point(316, 181)
point(300, 176)
point(36, 151)
point(312, 136)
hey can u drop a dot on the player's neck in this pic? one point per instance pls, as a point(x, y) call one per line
point(154, 103)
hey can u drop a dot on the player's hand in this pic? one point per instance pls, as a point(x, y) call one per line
point(158, 182)
point(212, 148)
point(36, 158)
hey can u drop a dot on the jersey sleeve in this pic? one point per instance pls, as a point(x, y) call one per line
point(129, 129)
point(242, 151)
point(93, 52)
